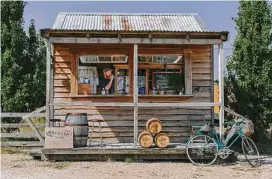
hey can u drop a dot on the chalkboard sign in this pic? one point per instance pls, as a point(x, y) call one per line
point(162, 80)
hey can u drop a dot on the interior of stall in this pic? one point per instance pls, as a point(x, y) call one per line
point(157, 74)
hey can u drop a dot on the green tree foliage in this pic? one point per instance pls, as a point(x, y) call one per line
point(37, 71)
point(13, 56)
point(248, 85)
point(22, 61)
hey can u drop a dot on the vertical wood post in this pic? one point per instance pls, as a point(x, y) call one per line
point(188, 74)
point(48, 74)
point(135, 93)
point(212, 82)
point(51, 87)
point(221, 90)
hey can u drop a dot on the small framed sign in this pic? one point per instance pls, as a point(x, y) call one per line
point(58, 137)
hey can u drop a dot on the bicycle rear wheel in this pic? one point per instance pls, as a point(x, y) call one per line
point(202, 150)
point(251, 152)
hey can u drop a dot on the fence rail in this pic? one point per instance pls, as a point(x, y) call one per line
point(7, 114)
point(16, 130)
point(16, 125)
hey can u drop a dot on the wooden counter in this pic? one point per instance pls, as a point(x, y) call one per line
point(129, 98)
point(163, 98)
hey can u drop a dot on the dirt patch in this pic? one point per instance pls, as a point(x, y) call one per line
point(22, 166)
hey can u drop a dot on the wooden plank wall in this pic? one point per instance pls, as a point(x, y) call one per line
point(117, 125)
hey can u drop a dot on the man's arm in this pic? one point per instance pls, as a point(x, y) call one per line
point(107, 87)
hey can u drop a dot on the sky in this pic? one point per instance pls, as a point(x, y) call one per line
point(216, 15)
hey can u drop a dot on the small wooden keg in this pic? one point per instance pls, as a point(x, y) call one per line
point(161, 140)
point(145, 139)
point(153, 125)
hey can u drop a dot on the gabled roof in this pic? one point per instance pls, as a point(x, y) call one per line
point(131, 22)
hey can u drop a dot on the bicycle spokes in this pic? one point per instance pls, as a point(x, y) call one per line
point(202, 150)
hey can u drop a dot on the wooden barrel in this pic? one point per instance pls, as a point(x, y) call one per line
point(79, 122)
point(161, 140)
point(145, 139)
point(153, 125)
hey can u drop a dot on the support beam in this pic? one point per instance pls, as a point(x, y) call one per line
point(221, 90)
point(48, 74)
point(188, 74)
point(51, 85)
point(135, 41)
point(135, 93)
point(83, 103)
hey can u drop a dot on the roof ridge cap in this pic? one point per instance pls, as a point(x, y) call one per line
point(121, 13)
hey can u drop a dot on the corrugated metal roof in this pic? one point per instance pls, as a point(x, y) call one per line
point(159, 22)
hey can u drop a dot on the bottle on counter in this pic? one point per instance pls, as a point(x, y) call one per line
point(181, 91)
point(154, 91)
point(103, 92)
point(127, 89)
point(161, 91)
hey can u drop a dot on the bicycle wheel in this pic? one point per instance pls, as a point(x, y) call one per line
point(251, 152)
point(202, 150)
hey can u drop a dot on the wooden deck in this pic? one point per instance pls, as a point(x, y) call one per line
point(116, 151)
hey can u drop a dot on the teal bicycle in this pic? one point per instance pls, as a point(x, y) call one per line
point(205, 146)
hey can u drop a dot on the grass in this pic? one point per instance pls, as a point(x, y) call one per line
point(35, 121)
point(15, 139)
point(12, 150)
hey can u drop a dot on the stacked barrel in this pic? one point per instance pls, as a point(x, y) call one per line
point(153, 134)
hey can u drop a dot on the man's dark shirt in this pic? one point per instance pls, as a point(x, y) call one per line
point(103, 83)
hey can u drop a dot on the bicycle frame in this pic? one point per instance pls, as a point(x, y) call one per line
point(222, 144)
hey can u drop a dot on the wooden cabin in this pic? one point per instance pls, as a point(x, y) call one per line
point(162, 66)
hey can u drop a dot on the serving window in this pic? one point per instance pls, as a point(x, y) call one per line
point(92, 76)
point(157, 75)
point(161, 74)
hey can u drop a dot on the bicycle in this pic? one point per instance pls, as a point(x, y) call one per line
point(205, 146)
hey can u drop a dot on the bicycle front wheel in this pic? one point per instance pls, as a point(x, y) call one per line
point(202, 150)
point(251, 152)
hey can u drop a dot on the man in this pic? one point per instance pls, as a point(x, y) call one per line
point(107, 81)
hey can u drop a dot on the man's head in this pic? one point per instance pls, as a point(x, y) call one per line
point(107, 72)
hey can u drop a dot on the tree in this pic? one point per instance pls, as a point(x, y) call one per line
point(249, 81)
point(37, 73)
point(13, 55)
point(23, 61)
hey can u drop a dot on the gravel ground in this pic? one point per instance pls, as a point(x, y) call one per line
point(22, 166)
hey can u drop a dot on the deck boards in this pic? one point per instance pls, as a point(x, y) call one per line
point(116, 151)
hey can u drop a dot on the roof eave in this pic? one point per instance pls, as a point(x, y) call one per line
point(46, 33)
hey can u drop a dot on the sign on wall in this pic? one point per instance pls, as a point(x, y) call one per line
point(58, 137)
